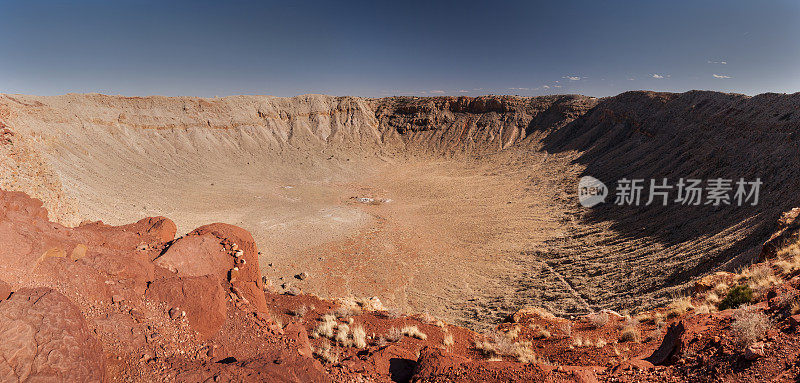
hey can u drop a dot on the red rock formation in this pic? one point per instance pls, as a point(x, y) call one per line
point(45, 338)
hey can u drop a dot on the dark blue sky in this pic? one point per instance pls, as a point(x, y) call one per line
point(210, 48)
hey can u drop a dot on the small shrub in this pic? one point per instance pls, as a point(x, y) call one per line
point(629, 334)
point(749, 325)
point(737, 296)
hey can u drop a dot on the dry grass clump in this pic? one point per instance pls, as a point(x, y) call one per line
point(760, 277)
point(342, 335)
point(749, 325)
point(704, 309)
point(413, 332)
point(712, 298)
point(679, 306)
point(448, 340)
point(359, 337)
point(721, 288)
point(499, 345)
point(788, 266)
point(789, 258)
point(598, 320)
point(326, 352)
point(340, 332)
point(325, 328)
point(541, 312)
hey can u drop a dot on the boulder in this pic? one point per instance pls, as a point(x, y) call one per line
point(210, 250)
point(202, 298)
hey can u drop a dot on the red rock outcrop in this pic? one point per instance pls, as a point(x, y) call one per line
point(45, 338)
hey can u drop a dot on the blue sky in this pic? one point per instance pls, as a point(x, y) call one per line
point(371, 48)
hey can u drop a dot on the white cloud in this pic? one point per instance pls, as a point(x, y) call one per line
point(519, 88)
point(463, 91)
point(718, 62)
point(656, 75)
point(631, 79)
point(720, 76)
point(556, 86)
point(438, 92)
point(572, 78)
point(546, 86)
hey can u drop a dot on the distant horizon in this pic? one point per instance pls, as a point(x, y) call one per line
point(389, 96)
point(378, 49)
